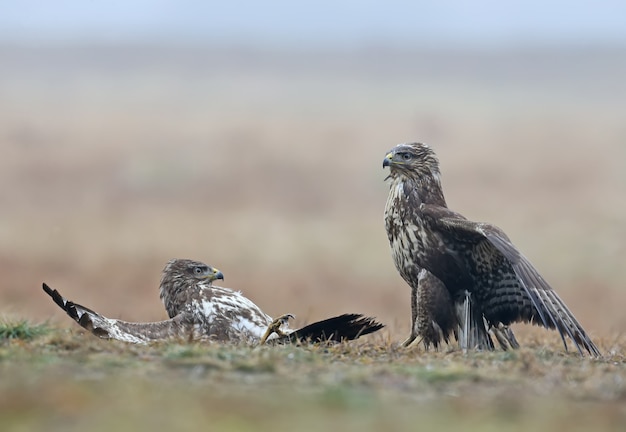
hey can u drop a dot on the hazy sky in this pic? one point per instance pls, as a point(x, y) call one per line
point(322, 22)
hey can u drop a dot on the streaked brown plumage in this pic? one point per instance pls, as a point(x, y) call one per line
point(200, 311)
point(433, 315)
point(490, 283)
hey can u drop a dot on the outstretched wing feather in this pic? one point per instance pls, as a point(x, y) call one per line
point(548, 309)
point(339, 328)
point(108, 328)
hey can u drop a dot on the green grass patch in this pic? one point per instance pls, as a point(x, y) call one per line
point(63, 381)
point(22, 329)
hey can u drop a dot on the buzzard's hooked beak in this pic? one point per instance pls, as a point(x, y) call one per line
point(217, 275)
point(387, 160)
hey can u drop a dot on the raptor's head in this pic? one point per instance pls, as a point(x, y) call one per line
point(414, 160)
point(180, 278)
point(415, 167)
point(191, 270)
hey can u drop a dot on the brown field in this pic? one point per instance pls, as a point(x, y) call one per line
point(267, 165)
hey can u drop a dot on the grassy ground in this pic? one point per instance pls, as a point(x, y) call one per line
point(66, 380)
point(267, 165)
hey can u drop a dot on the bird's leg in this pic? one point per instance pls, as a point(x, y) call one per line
point(275, 327)
point(413, 334)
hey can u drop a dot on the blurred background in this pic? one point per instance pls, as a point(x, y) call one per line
point(250, 135)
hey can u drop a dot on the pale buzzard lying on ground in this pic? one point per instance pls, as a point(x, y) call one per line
point(463, 274)
point(198, 311)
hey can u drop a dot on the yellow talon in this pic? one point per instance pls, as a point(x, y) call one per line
point(275, 327)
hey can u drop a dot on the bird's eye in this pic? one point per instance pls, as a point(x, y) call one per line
point(198, 270)
point(406, 156)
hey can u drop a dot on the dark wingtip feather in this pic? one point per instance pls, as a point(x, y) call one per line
point(575, 331)
point(560, 317)
point(72, 309)
point(342, 327)
point(47, 289)
point(56, 296)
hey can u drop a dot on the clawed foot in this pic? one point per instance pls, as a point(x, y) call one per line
point(409, 340)
point(505, 336)
point(275, 327)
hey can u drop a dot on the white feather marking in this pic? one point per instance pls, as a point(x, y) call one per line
point(244, 325)
point(207, 308)
point(422, 274)
point(116, 333)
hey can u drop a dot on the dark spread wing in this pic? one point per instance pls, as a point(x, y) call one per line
point(546, 307)
point(342, 327)
point(108, 328)
point(551, 309)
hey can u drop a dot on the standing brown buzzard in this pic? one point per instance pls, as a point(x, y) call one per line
point(462, 273)
point(198, 310)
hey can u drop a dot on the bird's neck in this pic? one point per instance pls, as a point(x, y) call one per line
point(426, 189)
point(175, 293)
